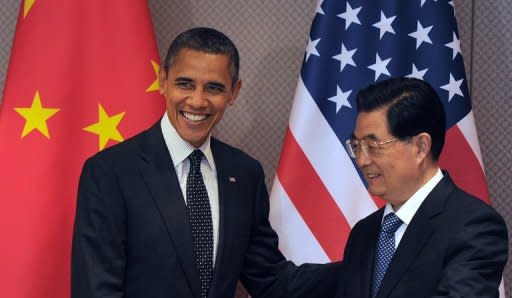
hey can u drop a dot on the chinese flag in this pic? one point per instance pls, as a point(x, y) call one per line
point(83, 75)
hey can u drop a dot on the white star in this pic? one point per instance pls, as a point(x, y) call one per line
point(319, 9)
point(385, 24)
point(453, 87)
point(345, 57)
point(380, 67)
point(311, 48)
point(451, 3)
point(455, 46)
point(350, 16)
point(423, 2)
point(421, 35)
point(341, 99)
point(419, 74)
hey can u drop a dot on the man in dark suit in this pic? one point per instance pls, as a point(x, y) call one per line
point(143, 229)
point(431, 239)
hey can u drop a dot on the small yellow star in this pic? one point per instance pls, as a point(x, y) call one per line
point(106, 127)
point(155, 85)
point(36, 117)
point(27, 6)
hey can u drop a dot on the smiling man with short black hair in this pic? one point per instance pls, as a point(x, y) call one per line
point(174, 212)
point(431, 239)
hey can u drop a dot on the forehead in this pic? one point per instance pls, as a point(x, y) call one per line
point(372, 125)
point(193, 62)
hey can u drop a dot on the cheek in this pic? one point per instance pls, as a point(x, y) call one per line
point(387, 164)
point(220, 105)
point(393, 169)
point(170, 106)
point(217, 116)
point(402, 169)
point(172, 100)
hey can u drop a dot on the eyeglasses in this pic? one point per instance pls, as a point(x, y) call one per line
point(371, 148)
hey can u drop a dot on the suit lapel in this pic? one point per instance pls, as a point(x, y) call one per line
point(228, 188)
point(419, 231)
point(157, 170)
point(368, 260)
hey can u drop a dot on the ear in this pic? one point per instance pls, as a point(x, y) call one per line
point(162, 78)
point(234, 92)
point(423, 142)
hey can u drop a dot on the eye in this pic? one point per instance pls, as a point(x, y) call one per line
point(215, 89)
point(184, 85)
point(372, 146)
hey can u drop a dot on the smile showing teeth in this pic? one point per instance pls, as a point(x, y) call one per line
point(194, 117)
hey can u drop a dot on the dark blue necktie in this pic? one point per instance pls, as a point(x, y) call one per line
point(200, 217)
point(385, 249)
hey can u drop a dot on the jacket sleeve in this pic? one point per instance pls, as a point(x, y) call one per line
point(266, 273)
point(98, 253)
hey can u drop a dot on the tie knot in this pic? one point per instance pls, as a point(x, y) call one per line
point(195, 158)
point(391, 223)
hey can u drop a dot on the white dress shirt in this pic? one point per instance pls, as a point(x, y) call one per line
point(411, 206)
point(180, 150)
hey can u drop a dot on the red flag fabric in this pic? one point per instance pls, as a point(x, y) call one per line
point(318, 194)
point(82, 75)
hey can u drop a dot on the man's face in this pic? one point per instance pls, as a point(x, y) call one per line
point(392, 171)
point(197, 89)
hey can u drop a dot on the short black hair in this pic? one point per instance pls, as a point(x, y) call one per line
point(413, 107)
point(206, 40)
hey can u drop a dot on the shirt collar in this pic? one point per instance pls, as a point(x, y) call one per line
point(181, 149)
point(409, 208)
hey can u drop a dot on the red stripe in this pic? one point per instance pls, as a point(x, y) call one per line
point(312, 199)
point(462, 164)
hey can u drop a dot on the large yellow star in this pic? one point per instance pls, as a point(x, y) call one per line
point(35, 117)
point(27, 6)
point(106, 127)
point(156, 84)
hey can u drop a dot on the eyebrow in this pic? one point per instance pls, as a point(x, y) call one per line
point(183, 80)
point(366, 137)
point(217, 85)
point(209, 84)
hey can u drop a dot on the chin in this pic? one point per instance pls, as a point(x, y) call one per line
point(197, 142)
point(376, 192)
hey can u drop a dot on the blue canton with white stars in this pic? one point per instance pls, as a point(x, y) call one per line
point(355, 43)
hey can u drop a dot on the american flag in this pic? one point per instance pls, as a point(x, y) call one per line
point(318, 193)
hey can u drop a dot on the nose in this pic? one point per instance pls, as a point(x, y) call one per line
point(198, 99)
point(362, 158)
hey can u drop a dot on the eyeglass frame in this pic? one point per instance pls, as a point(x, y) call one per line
point(364, 146)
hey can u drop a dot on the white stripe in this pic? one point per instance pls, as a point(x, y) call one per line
point(328, 157)
point(295, 238)
point(468, 129)
point(502, 289)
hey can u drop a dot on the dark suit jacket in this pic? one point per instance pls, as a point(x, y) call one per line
point(132, 236)
point(455, 246)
